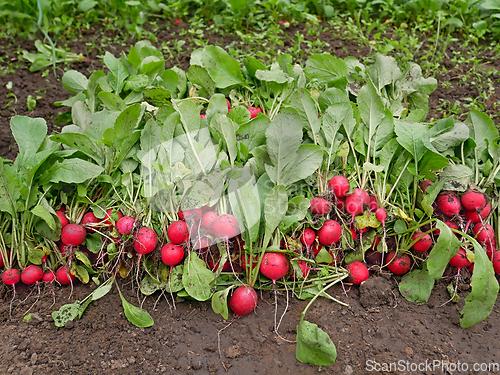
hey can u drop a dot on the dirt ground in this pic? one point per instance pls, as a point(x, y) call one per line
point(378, 328)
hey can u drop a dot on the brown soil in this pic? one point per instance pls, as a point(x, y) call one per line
point(379, 326)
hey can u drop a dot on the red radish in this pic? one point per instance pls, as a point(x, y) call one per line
point(373, 257)
point(496, 262)
point(73, 234)
point(202, 116)
point(358, 272)
point(228, 104)
point(177, 232)
point(424, 242)
point(376, 241)
point(490, 248)
point(245, 257)
point(339, 203)
point(357, 202)
point(226, 226)
point(244, 300)
point(109, 221)
point(307, 237)
point(320, 206)
point(479, 215)
point(473, 200)
point(208, 218)
point(361, 230)
point(425, 184)
point(177, 21)
point(145, 241)
point(125, 225)
point(48, 276)
point(274, 266)
point(190, 215)
point(399, 264)
point(63, 248)
point(460, 259)
point(64, 275)
point(61, 209)
point(214, 265)
point(449, 203)
point(340, 186)
point(304, 268)
point(373, 206)
point(11, 276)
point(329, 233)
point(316, 248)
point(254, 111)
point(484, 233)
point(31, 274)
point(172, 254)
point(202, 243)
point(2, 263)
point(353, 233)
point(381, 215)
point(89, 220)
point(62, 218)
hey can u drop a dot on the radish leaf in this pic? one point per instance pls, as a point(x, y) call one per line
point(196, 278)
point(446, 247)
point(219, 302)
point(416, 286)
point(314, 345)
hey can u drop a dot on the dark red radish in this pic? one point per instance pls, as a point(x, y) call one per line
point(172, 254)
point(62, 218)
point(11, 276)
point(178, 232)
point(208, 218)
point(381, 215)
point(460, 259)
point(449, 203)
point(496, 262)
point(339, 185)
point(473, 200)
point(316, 248)
point(424, 242)
point(2, 262)
point(320, 206)
point(357, 202)
point(490, 248)
point(376, 241)
point(125, 225)
point(358, 272)
point(307, 237)
point(108, 219)
point(254, 111)
point(399, 264)
point(483, 233)
point(64, 275)
point(73, 234)
point(274, 266)
point(424, 184)
point(214, 265)
point(31, 274)
point(330, 233)
point(89, 220)
point(244, 300)
point(477, 216)
point(373, 206)
point(353, 233)
point(48, 276)
point(373, 257)
point(226, 226)
point(339, 203)
point(145, 241)
point(244, 259)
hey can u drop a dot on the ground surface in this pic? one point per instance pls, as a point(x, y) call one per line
point(378, 327)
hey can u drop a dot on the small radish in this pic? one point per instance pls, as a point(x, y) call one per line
point(381, 215)
point(48, 276)
point(228, 104)
point(202, 243)
point(399, 264)
point(244, 258)
point(353, 233)
point(89, 220)
point(226, 226)
point(190, 215)
point(460, 260)
point(62, 209)
point(373, 205)
point(178, 232)
point(304, 268)
point(329, 233)
point(473, 200)
point(373, 257)
point(483, 233)
point(109, 221)
point(172, 254)
point(64, 275)
point(357, 202)
point(496, 262)
point(476, 216)
point(73, 234)
point(339, 203)
point(254, 111)
point(449, 203)
point(62, 218)
point(244, 300)
point(307, 237)
point(316, 248)
point(320, 206)
point(31, 274)
point(145, 241)
point(2, 262)
point(11, 276)
point(358, 272)
point(208, 218)
point(424, 242)
point(425, 184)
point(125, 225)
point(274, 266)
point(202, 116)
point(340, 186)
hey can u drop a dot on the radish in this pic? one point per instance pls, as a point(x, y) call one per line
point(11, 276)
point(398, 264)
point(376, 241)
point(353, 233)
point(228, 104)
point(145, 241)
point(208, 218)
point(329, 233)
point(373, 205)
point(484, 233)
point(190, 215)
point(88, 220)
point(460, 260)
point(244, 300)
point(125, 225)
point(316, 248)
point(172, 254)
point(2, 262)
point(425, 184)
point(357, 202)
point(320, 206)
point(424, 242)
point(61, 209)
point(304, 269)
point(244, 258)
point(479, 215)
point(48, 276)
point(274, 266)
point(449, 203)
point(473, 200)
point(307, 237)
point(339, 203)
point(109, 221)
point(490, 248)
point(254, 111)
point(31, 274)
point(202, 116)
point(177, 232)
point(358, 272)
point(340, 186)
point(64, 275)
point(73, 234)
point(496, 262)
point(226, 226)
point(373, 257)
point(202, 243)
point(62, 218)
point(381, 215)
point(214, 264)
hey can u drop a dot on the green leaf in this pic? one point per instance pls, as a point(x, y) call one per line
point(66, 313)
point(111, 101)
point(148, 285)
point(29, 134)
point(157, 96)
point(384, 71)
point(325, 68)
point(219, 302)
point(416, 286)
point(45, 215)
point(73, 171)
point(304, 104)
point(253, 133)
point(102, 290)
point(447, 134)
point(275, 207)
point(483, 130)
point(245, 205)
point(35, 256)
point(240, 115)
point(275, 74)
point(118, 72)
point(308, 159)
point(83, 258)
point(196, 278)
point(223, 69)
point(136, 315)
point(314, 345)
point(199, 76)
point(81, 143)
point(410, 136)
point(456, 177)
point(226, 130)
point(74, 81)
point(173, 278)
point(82, 274)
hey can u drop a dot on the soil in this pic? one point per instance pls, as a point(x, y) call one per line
point(378, 326)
